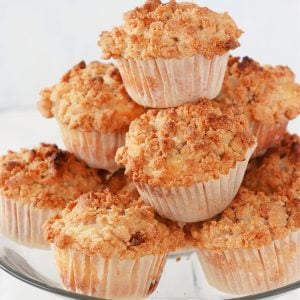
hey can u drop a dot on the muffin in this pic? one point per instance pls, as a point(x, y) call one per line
point(269, 96)
point(278, 170)
point(111, 247)
point(253, 246)
point(171, 54)
point(93, 110)
point(35, 184)
point(188, 162)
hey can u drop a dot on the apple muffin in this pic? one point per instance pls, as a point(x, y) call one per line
point(171, 53)
point(269, 95)
point(252, 246)
point(36, 183)
point(188, 162)
point(94, 112)
point(110, 246)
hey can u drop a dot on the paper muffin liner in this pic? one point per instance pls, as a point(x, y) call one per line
point(250, 271)
point(23, 223)
point(98, 150)
point(199, 201)
point(267, 135)
point(109, 278)
point(161, 83)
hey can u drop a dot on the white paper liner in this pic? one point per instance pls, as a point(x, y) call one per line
point(250, 271)
point(109, 278)
point(161, 83)
point(23, 223)
point(267, 135)
point(199, 201)
point(98, 150)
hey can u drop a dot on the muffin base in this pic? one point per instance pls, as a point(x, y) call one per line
point(161, 83)
point(23, 223)
point(267, 136)
point(250, 271)
point(109, 278)
point(198, 202)
point(98, 150)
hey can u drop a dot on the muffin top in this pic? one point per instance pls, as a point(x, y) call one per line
point(90, 98)
point(278, 170)
point(268, 94)
point(252, 220)
point(183, 145)
point(106, 224)
point(171, 30)
point(46, 177)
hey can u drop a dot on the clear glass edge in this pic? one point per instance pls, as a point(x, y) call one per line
point(6, 268)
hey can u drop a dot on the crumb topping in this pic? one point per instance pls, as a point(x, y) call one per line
point(102, 223)
point(45, 176)
point(269, 94)
point(90, 98)
point(184, 145)
point(170, 30)
point(251, 221)
point(120, 184)
point(278, 170)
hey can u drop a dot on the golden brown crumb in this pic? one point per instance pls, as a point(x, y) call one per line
point(268, 94)
point(251, 221)
point(90, 98)
point(183, 145)
point(102, 223)
point(119, 183)
point(171, 30)
point(45, 176)
point(278, 170)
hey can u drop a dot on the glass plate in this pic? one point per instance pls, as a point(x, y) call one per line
point(182, 277)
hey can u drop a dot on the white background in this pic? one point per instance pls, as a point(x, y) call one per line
point(40, 40)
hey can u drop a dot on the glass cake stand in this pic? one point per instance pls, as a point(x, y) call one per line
point(182, 277)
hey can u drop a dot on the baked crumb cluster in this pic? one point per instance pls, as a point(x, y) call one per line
point(254, 219)
point(46, 176)
point(184, 145)
point(120, 184)
point(90, 98)
point(105, 224)
point(268, 94)
point(278, 170)
point(170, 30)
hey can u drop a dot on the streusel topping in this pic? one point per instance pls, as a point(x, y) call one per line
point(183, 145)
point(90, 98)
point(171, 30)
point(251, 221)
point(102, 223)
point(268, 94)
point(278, 170)
point(120, 184)
point(45, 176)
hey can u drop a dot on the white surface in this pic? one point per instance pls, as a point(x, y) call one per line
point(13, 125)
point(40, 40)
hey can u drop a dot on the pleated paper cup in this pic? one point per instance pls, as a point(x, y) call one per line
point(109, 278)
point(267, 136)
point(97, 150)
point(161, 83)
point(23, 223)
point(198, 202)
point(250, 271)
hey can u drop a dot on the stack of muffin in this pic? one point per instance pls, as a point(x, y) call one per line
point(184, 126)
